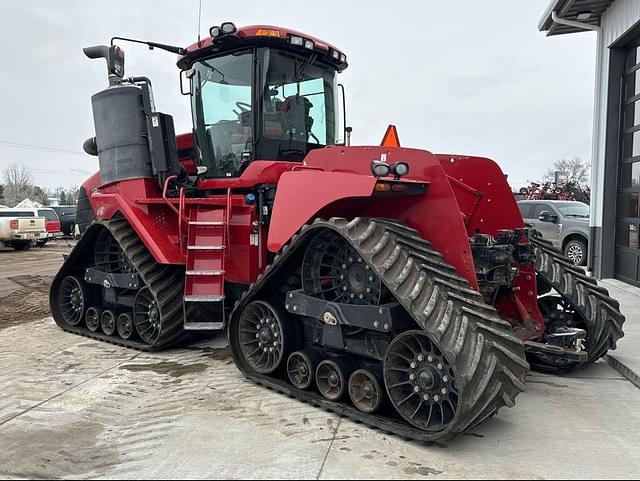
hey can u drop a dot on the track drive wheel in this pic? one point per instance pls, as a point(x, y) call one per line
point(73, 297)
point(421, 382)
point(146, 316)
point(263, 336)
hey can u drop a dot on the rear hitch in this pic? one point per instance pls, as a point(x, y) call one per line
point(567, 354)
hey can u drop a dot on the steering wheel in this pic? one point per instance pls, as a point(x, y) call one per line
point(243, 106)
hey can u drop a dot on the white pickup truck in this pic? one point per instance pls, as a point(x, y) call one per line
point(20, 232)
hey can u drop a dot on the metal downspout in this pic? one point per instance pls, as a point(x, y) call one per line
point(594, 262)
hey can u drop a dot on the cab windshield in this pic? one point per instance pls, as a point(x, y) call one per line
point(296, 108)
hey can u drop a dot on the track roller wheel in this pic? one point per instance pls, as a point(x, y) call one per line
point(108, 322)
point(263, 337)
point(301, 367)
point(146, 316)
point(420, 382)
point(92, 318)
point(331, 378)
point(72, 299)
point(125, 325)
point(365, 391)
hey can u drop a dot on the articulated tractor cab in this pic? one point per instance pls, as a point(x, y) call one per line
point(392, 285)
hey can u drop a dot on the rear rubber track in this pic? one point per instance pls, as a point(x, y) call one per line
point(166, 283)
point(489, 360)
point(601, 313)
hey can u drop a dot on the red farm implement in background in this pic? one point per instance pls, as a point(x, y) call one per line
point(393, 285)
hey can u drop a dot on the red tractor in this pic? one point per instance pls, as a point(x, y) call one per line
point(395, 286)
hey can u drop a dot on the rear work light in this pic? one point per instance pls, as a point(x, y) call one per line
point(13, 224)
point(228, 28)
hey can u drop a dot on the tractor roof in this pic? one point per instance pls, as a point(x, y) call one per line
point(263, 35)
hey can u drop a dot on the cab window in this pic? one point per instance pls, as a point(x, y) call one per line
point(50, 215)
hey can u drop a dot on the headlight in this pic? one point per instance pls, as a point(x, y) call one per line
point(215, 32)
point(380, 169)
point(400, 169)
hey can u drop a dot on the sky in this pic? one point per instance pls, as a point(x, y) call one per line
point(463, 77)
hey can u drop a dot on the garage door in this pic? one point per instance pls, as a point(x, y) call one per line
point(627, 257)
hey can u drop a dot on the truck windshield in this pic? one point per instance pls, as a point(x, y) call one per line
point(296, 108)
point(574, 209)
point(221, 105)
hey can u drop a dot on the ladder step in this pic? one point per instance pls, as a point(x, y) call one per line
point(204, 298)
point(204, 326)
point(205, 273)
point(207, 223)
point(206, 248)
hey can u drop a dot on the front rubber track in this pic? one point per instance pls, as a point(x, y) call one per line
point(489, 360)
point(601, 313)
point(166, 283)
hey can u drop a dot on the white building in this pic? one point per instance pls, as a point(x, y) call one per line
point(615, 213)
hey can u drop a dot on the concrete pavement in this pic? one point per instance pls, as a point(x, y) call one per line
point(74, 408)
point(626, 359)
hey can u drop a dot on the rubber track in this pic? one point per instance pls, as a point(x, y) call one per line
point(599, 310)
point(489, 360)
point(165, 282)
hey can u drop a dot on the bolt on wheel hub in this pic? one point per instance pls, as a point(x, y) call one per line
point(428, 378)
point(332, 270)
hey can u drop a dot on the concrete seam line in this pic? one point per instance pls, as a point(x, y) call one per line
point(326, 456)
point(62, 393)
point(631, 376)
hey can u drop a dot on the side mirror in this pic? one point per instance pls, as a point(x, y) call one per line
point(545, 216)
point(185, 81)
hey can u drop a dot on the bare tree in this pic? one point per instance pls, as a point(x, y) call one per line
point(40, 194)
point(18, 182)
point(570, 170)
point(71, 194)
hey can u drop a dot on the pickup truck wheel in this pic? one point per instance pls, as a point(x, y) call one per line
point(576, 252)
point(21, 245)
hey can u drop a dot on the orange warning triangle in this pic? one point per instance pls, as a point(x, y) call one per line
point(390, 138)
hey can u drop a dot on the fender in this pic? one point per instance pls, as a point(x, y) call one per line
point(302, 194)
point(337, 181)
point(154, 223)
